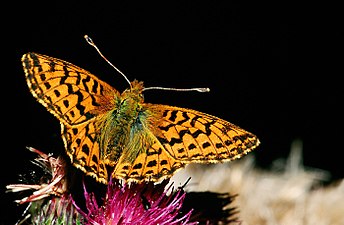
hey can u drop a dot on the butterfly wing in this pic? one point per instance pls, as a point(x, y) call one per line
point(73, 95)
point(83, 149)
point(191, 136)
point(153, 165)
point(67, 91)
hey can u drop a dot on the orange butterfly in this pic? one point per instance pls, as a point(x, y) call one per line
point(102, 128)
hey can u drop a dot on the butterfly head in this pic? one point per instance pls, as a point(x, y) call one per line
point(134, 92)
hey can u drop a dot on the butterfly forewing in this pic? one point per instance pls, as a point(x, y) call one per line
point(67, 91)
point(191, 136)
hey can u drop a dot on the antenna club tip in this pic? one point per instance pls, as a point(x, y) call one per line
point(89, 40)
point(203, 89)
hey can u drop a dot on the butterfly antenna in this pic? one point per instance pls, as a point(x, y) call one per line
point(90, 42)
point(178, 89)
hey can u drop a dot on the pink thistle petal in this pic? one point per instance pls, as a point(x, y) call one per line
point(145, 203)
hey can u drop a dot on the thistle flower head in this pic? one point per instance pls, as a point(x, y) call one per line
point(49, 202)
point(142, 203)
point(55, 185)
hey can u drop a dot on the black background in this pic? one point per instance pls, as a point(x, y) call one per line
point(273, 69)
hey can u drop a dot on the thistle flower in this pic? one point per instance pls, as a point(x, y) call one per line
point(143, 203)
point(56, 186)
point(49, 202)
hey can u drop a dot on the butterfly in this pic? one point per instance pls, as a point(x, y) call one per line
point(108, 133)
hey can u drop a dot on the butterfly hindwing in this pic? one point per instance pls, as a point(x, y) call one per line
point(83, 149)
point(153, 165)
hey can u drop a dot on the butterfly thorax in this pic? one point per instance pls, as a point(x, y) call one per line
point(123, 130)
